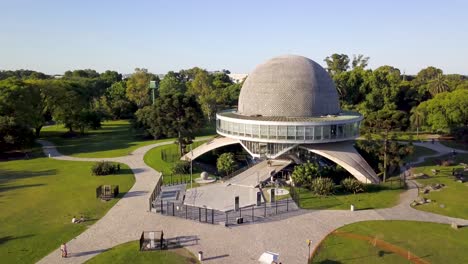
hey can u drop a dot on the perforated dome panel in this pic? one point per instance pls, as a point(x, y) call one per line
point(289, 86)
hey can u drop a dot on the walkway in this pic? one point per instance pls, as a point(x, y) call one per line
point(240, 244)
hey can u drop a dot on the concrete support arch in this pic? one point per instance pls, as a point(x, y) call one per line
point(345, 155)
point(209, 146)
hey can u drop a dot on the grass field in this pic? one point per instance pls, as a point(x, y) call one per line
point(129, 253)
point(432, 243)
point(153, 158)
point(450, 200)
point(38, 199)
point(114, 139)
point(377, 196)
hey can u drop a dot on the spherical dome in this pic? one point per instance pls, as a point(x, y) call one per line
point(288, 86)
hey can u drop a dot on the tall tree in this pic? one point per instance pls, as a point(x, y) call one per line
point(172, 83)
point(359, 61)
point(138, 87)
point(337, 63)
point(417, 119)
point(438, 85)
point(226, 163)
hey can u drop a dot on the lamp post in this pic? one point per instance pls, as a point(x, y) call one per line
point(152, 86)
point(191, 159)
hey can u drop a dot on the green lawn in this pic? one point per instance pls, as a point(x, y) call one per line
point(38, 199)
point(454, 144)
point(377, 196)
point(114, 139)
point(450, 200)
point(129, 253)
point(153, 158)
point(433, 243)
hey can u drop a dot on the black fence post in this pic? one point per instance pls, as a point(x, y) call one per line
point(276, 207)
point(173, 211)
point(206, 215)
point(162, 208)
point(199, 214)
point(186, 212)
point(212, 216)
point(227, 221)
point(264, 212)
point(253, 208)
point(240, 212)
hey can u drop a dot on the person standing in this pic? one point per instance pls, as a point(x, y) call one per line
point(63, 249)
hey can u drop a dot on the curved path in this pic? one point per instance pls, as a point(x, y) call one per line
point(240, 244)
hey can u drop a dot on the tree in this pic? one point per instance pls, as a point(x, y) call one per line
point(175, 115)
point(360, 61)
point(337, 63)
point(226, 163)
point(438, 85)
point(172, 83)
point(138, 87)
point(304, 174)
point(417, 119)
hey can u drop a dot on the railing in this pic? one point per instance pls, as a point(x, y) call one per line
point(156, 192)
point(248, 214)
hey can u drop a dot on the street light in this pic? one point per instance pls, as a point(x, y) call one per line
point(308, 244)
point(153, 87)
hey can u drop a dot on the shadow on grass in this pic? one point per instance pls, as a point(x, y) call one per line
point(5, 239)
point(10, 188)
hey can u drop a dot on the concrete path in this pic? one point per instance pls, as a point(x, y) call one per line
point(285, 234)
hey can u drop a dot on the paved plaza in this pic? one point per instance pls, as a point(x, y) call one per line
point(240, 244)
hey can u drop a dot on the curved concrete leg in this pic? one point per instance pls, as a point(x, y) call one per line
point(345, 155)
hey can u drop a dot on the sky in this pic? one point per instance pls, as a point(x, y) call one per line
point(55, 36)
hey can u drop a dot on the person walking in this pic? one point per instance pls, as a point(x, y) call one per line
point(63, 249)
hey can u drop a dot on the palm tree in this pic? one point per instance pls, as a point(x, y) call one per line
point(438, 85)
point(417, 119)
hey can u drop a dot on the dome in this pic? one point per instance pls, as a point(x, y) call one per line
point(289, 86)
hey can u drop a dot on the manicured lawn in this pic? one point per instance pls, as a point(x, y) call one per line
point(433, 243)
point(450, 200)
point(129, 253)
point(114, 139)
point(454, 144)
point(153, 158)
point(378, 196)
point(38, 199)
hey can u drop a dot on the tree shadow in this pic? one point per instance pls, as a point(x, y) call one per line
point(4, 188)
point(9, 238)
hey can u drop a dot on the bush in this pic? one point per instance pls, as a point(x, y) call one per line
point(352, 185)
point(322, 186)
point(181, 167)
point(105, 168)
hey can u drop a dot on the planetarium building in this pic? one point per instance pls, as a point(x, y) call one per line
point(286, 104)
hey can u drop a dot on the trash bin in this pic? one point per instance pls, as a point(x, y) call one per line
point(352, 208)
point(240, 220)
point(200, 255)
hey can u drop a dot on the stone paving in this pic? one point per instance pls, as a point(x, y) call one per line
point(286, 235)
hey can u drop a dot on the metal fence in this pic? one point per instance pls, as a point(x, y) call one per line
point(156, 192)
point(248, 214)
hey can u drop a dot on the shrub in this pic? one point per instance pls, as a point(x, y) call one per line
point(181, 167)
point(104, 168)
point(352, 185)
point(322, 186)
point(304, 174)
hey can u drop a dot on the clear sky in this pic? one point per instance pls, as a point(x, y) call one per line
point(54, 36)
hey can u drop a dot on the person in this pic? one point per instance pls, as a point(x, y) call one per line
point(74, 221)
point(162, 240)
point(63, 249)
point(82, 219)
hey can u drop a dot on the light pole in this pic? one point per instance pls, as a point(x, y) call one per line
point(191, 166)
point(308, 244)
point(152, 86)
